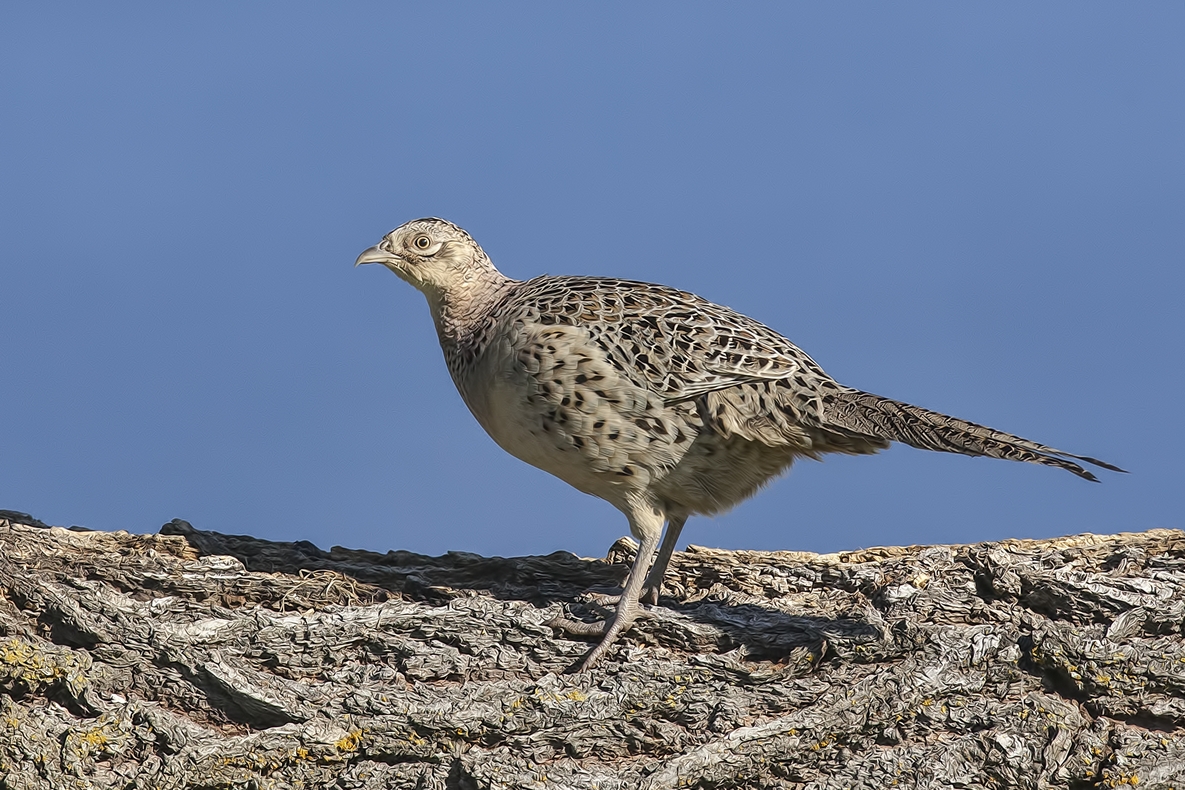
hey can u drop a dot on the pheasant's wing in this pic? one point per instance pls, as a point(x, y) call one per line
point(675, 343)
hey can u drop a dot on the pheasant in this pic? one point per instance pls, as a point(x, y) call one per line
point(656, 400)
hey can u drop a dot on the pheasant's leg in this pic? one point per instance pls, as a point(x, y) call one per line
point(646, 525)
point(659, 569)
point(653, 585)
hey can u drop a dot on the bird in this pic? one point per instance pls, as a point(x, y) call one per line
point(654, 399)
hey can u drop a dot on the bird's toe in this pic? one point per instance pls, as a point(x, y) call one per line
point(578, 627)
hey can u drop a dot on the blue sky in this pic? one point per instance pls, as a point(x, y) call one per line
point(976, 208)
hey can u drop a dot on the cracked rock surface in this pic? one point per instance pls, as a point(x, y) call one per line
point(192, 659)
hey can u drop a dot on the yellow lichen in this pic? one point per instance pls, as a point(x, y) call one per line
point(34, 667)
point(94, 737)
point(350, 743)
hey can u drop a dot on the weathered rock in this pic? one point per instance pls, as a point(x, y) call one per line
point(192, 659)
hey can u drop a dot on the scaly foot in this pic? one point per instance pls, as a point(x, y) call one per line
point(608, 630)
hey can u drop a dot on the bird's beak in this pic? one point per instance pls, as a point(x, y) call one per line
point(374, 255)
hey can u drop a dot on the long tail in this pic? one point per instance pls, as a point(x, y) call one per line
point(872, 415)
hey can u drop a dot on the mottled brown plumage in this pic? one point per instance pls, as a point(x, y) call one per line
point(660, 402)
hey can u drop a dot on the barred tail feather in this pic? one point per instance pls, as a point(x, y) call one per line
point(872, 415)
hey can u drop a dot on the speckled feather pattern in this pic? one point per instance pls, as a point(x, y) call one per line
point(628, 374)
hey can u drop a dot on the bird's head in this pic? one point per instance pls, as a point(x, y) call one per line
point(432, 254)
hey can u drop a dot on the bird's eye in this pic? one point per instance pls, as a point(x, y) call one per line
point(421, 242)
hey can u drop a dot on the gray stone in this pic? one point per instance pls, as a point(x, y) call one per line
point(193, 659)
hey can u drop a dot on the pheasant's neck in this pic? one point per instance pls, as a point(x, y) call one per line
point(463, 316)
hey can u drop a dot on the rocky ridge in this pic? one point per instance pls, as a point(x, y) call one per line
point(193, 659)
